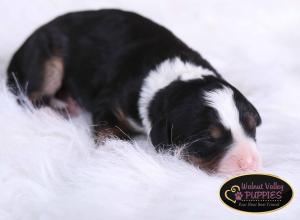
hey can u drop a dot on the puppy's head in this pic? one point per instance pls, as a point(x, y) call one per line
point(210, 121)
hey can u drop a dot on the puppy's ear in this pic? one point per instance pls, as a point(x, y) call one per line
point(160, 134)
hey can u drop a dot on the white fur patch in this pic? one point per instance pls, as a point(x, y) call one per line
point(167, 72)
point(222, 101)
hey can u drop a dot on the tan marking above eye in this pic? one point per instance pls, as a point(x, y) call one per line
point(216, 132)
point(250, 121)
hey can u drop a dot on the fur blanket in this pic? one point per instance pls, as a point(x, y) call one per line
point(50, 167)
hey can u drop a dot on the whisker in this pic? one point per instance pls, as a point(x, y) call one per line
point(127, 135)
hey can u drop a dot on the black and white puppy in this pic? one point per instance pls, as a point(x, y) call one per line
point(134, 75)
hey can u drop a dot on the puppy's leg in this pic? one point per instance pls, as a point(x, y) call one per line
point(110, 124)
point(37, 68)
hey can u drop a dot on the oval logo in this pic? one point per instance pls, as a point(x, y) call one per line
point(256, 193)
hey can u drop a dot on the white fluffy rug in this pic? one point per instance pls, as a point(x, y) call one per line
point(50, 168)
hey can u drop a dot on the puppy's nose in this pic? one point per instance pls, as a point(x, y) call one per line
point(248, 163)
point(242, 158)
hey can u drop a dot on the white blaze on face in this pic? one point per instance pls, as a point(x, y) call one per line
point(242, 155)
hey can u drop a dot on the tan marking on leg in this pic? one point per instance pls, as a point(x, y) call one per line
point(107, 133)
point(35, 96)
point(53, 75)
point(209, 166)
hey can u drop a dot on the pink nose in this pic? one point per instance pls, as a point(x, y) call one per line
point(248, 163)
point(243, 158)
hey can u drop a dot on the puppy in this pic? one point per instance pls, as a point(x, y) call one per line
point(133, 76)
